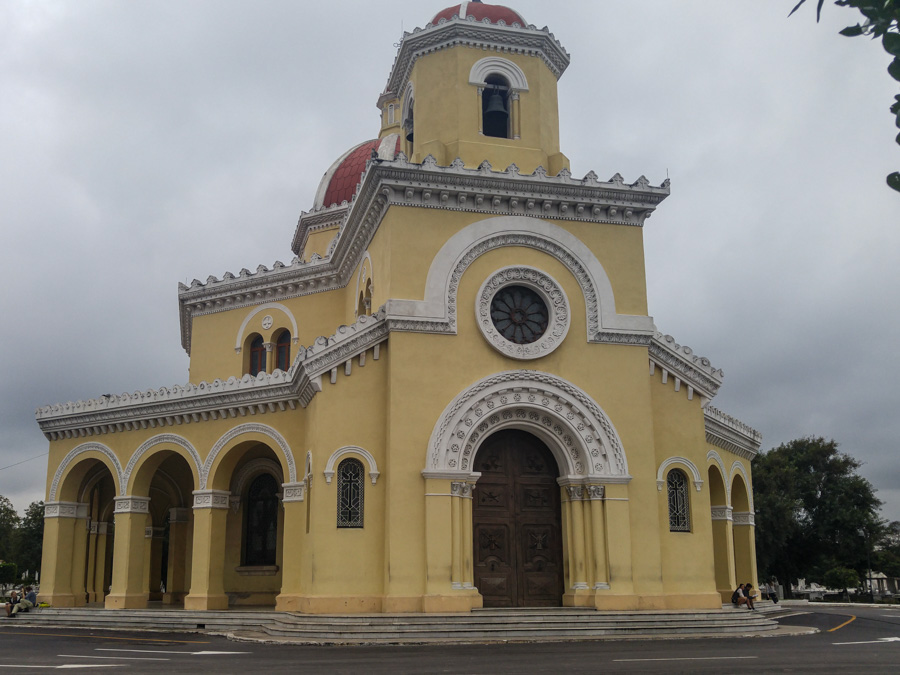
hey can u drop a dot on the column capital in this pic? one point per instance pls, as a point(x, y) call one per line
point(461, 489)
point(132, 504)
point(721, 512)
point(65, 510)
point(293, 492)
point(211, 499)
point(744, 518)
point(103, 528)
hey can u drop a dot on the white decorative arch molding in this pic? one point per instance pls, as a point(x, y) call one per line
point(738, 467)
point(90, 482)
point(409, 98)
point(473, 241)
point(250, 428)
point(340, 453)
point(494, 65)
point(251, 470)
point(80, 450)
point(577, 431)
point(238, 343)
point(713, 456)
point(161, 439)
point(683, 461)
point(366, 271)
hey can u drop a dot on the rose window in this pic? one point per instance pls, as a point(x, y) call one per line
point(519, 314)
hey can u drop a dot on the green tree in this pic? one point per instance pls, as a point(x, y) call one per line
point(881, 20)
point(9, 521)
point(842, 578)
point(813, 511)
point(30, 539)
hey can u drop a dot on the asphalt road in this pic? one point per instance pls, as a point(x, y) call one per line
point(851, 640)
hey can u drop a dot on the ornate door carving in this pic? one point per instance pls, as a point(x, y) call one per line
point(517, 531)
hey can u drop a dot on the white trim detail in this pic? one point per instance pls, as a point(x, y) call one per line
point(720, 512)
point(131, 504)
point(170, 439)
point(251, 470)
point(744, 518)
point(211, 499)
point(467, 245)
point(351, 450)
point(555, 300)
point(238, 343)
point(65, 510)
point(579, 434)
point(293, 492)
point(249, 429)
point(738, 467)
point(494, 65)
point(713, 456)
point(661, 472)
point(80, 450)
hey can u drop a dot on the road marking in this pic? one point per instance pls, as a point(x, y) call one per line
point(106, 637)
point(690, 658)
point(126, 658)
point(160, 651)
point(68, 665)
point(851, 619)
point(870, 642)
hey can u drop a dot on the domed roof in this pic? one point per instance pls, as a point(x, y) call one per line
point(339, 182)
point(480, 11)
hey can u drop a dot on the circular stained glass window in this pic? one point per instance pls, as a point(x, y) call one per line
point(519, 314)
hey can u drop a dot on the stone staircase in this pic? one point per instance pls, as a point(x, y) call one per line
point(485, 625)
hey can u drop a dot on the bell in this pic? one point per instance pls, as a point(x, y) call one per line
point(496, 107)
point(409, 136)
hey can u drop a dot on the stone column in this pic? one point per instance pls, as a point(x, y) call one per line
point(91, 576)
point(157, 538)
point(618, 537)
point(293, 543)
point(129, 578)
point(175, 572)
point(595, 495)
point(207, 566)
point(468, 553)
point(456, 564)
point(60, 565)
point(723, 550)
point(577, 580)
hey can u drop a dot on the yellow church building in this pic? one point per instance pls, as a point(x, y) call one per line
point(452, 397)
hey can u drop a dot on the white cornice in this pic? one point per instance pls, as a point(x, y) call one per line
point(515, 39)
point(400, 183)
point(729, 433)
point(680, 362)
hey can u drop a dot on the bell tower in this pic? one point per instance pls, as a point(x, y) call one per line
point(480, 84)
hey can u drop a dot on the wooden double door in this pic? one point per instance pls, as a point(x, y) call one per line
point(516, 523)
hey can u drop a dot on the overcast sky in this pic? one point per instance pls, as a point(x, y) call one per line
point(143, 143)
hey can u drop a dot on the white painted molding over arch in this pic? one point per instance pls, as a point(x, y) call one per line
point(251, 428)
point(340, 453)
point(738, 467)
point(74, 454)
point(494, 65)
point(238, 343)
point(684, 461)
point(577, 431)
point(713, 456)
point(463, 248)
point(161, 439)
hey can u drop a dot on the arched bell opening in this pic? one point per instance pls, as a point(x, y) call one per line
point(495, 107)
point(517, 522)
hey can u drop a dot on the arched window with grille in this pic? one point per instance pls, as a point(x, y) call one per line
point(679, 504)
point(261, 521)
point(351, 493)
point(257, 356)
point(283, 351)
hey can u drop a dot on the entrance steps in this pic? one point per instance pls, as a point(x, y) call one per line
point(484, 625)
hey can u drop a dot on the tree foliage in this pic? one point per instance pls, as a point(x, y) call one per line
point(841, 577)
point(9, 521)
point(30, 539)
point(813, 511)
point(881, 20)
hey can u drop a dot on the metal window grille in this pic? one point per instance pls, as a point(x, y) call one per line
point(351, 491)
point(679, 506)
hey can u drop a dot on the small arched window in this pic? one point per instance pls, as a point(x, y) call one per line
point(261, 521)
point(283, 351)
point(495, 107)
point(257, 356)
point(679, 505)
point(351, 493)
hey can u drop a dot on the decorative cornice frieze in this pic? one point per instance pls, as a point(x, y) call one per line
point(131, 504)
point(211, 499)
point(744, 518)
point(65, 510)
point(426, 185)
point(293, 492)
point(680, 362)
point(729, 433)
point(721, 513)
point(317, 221)
point(516, 39)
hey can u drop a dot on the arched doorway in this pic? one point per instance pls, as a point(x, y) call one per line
point(517, 527)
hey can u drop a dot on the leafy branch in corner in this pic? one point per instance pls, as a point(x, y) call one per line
point(882, 20)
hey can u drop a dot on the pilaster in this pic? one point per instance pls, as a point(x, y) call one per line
point(129, 579)
point(207, 567)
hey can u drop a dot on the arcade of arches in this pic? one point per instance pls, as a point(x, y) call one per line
point(454, 396)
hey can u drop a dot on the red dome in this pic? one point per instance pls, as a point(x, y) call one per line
point(480, 11)
point(339, 182)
